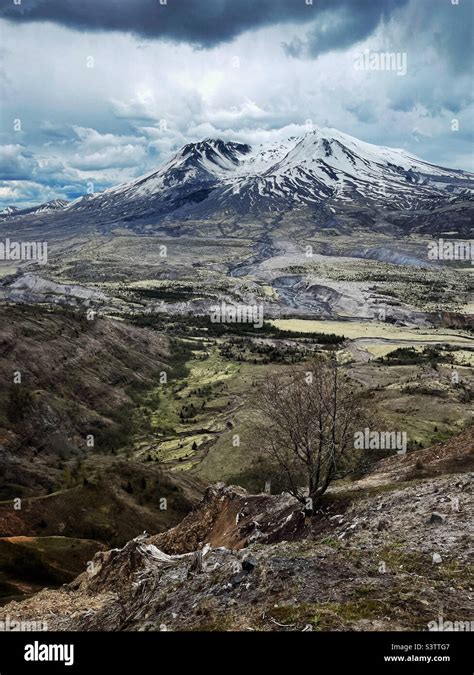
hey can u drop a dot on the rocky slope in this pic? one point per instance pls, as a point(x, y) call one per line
point(390, 554)
point(32, 288)
point(77, 378)
point(60, 493)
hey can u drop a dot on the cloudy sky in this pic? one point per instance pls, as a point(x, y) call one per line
point(97, 92)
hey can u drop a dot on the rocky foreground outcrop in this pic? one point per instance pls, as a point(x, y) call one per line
point(389, 553)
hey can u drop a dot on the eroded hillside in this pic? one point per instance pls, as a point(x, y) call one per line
point(388, 552)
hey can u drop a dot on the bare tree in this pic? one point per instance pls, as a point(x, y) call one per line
point(305, 423)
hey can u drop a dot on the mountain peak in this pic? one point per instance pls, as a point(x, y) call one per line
point(215, 149)
point(323, 168)
point(53, 205)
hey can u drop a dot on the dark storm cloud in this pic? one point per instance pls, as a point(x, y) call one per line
point(341, 24)
point(205, 23)
point(451, 29)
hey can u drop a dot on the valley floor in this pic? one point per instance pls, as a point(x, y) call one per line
point(168, 397)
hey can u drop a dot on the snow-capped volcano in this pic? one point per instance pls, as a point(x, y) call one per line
point(323, 169)
point(327, 164)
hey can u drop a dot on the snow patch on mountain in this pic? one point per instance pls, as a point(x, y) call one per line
point(53, 205)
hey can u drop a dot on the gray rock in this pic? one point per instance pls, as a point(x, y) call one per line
point(237, 579)
point(249, 563)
